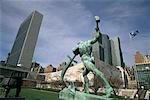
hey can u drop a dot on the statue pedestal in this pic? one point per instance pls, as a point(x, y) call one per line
point(72, 94)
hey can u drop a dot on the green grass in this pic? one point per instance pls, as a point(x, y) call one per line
point(34, 94)
point(48, 94)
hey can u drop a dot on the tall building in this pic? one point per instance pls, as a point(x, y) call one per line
point(138, 57)
point(107, 49)
point(98, 50)
point(24, 45)
point(117, 58)
point(106, 58)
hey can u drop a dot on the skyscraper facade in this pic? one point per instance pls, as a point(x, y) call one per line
point(24, 45)
point(117, 57)
point(107, 49)
point(98, 50)
point(106, 58)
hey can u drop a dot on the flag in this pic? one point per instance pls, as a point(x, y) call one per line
point(133, 34)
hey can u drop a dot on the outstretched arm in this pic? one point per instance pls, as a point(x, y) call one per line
point(96, 38)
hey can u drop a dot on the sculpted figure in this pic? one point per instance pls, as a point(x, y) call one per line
point(84, 50)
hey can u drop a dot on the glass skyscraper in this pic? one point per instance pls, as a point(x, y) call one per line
point(24, 45)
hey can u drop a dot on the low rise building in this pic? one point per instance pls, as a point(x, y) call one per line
point(142, 75)
point(142, 70)
point(49, 69)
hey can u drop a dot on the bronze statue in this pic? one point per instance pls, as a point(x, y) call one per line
point(84, 49)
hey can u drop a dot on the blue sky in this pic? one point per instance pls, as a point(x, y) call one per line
point(66, 22)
